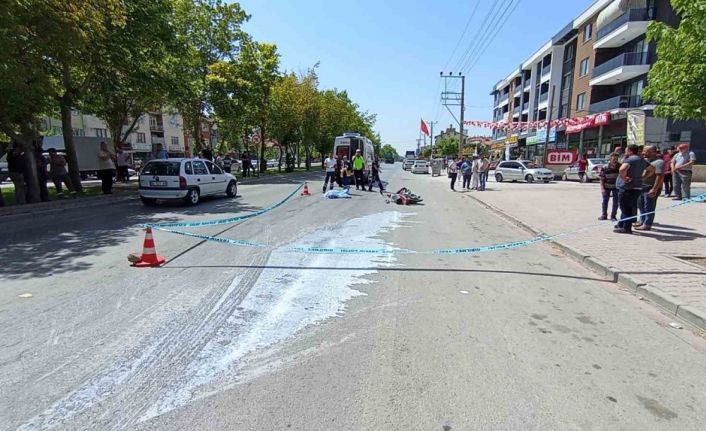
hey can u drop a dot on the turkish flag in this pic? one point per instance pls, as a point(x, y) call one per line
point(425, 130)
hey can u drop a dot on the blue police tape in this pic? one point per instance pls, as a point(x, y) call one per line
point(225, 220)
point(395, 251)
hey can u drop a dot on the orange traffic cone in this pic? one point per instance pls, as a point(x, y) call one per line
point(306, 190)
point(149, 253)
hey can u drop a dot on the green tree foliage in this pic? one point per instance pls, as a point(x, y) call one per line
point(448, 146)
point(138, 68)
point(210, 31)
point(677, 80)
point(388, 150)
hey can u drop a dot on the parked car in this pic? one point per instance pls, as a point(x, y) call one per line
point(407, 164)
point(420, 167)
point(593, 171)
point(522, 170)
point(187, 179)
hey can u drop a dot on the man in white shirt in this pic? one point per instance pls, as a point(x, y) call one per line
point(330, 165)
point(682, 164)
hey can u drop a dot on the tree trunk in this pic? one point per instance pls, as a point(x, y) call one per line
point(70, 149)
point(263, 165)
point(32, 177)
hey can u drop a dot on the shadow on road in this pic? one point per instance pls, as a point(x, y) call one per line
point(60, 243)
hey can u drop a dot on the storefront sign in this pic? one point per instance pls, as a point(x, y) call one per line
point(588, 122)
point(561, 157)
point(512, 139)
point(542, 135)
point(531, 140)
point(636, 127)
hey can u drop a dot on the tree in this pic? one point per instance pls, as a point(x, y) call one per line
point(286, 113)
point(62, 42)
point(210, 31)
point(388, 151)
point(448, 146)
point(311, 111)
point(677, 80)
point(137, 71)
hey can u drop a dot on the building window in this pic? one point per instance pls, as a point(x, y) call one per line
point(175, 141)
point(78, 132)
point(581, 102)
point(583, 71)
point(101, 133)
point(587, 32)
point(140, 138)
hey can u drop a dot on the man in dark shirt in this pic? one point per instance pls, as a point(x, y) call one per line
point(608, 176)
point(629, 184)
point(18, 168)
point(651, 189)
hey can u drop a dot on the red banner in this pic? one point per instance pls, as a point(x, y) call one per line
point(572, 125)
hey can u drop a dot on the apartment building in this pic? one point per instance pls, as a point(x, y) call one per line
point(151, 129)
point(598, 63)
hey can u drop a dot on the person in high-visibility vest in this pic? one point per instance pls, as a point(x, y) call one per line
point(358, 165)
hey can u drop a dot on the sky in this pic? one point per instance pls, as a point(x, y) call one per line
point(388, 53)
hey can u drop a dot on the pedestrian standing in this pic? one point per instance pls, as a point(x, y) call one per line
point(621, 154)
point(346, 173)
point(59, 174)
point(358, 165)
point(467, 171)
point(682, 171)
point(247, 164)
point(375, 176)
point(207, 154)
point(18, 168)
point(123, 162)
point(484, 167)
point(582, 165)
point(475, 173)
point(667, 158)
point(106, 168)
point(330, 166)
point(629, 184)
point(338, 172)
point(227, 163)
point(608, 176)
point(651, 189)
point(453, 173)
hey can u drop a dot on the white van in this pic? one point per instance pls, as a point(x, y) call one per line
point(347, 145)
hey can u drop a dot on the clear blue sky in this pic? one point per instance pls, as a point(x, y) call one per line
point(388, 53)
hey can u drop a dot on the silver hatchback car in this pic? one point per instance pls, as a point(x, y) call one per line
point(522, 170)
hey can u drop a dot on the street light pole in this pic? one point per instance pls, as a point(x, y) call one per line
point(463, 108)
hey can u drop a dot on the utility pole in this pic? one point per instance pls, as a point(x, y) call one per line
point(419, 143)
point(453, 98)
point(550, 112)
point(431, 138)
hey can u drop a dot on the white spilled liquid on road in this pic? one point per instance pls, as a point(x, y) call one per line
point(297, 290)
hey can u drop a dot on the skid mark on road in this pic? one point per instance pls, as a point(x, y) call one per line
point(282, 303)
point(198, 348)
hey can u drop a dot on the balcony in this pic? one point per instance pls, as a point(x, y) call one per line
point(502, 100)
point(518, 91)
point(525, 107)
point(545, 72)
point(623, 29)
point(516, 111)
point(619, 102)
point(543, 97)
point(620, 69)
point(156, 127)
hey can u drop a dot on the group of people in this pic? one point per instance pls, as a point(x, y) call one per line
point(52, 168)
point(342, 171)
point(474, 172)
point(634, 182)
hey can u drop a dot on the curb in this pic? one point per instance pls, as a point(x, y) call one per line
point(44, 208)
point(666, 301)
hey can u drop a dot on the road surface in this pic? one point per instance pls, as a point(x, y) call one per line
point(238, 338)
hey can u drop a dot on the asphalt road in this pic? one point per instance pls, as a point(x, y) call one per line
point(239, 338)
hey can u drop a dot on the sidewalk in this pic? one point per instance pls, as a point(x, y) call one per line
point(666, 265)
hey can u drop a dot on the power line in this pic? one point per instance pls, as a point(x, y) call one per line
point(497, 30)
point(482, 42)
point(468, 23)
point(478, 32)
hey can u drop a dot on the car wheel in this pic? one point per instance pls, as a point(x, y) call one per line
point(565, 177)
point(232, 190)
point(148, 201)
point(192, 197)
point(499, 178)
point(529, 178)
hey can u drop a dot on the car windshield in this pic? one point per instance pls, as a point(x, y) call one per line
point(161, 168)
